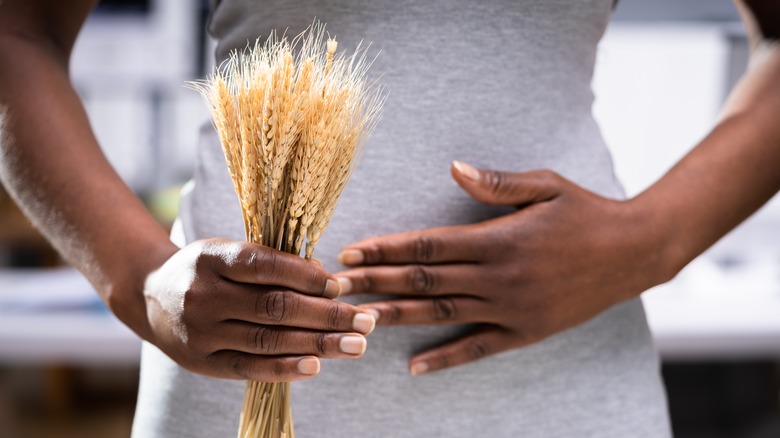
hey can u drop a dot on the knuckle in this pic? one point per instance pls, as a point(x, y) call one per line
point(365, 282)
point(265, 264)
point(196, 301)
point(213, 363)
point(195, 342)
point(476, 349)
point(278, 369)
point(212, 358)
point(495, 181)
point(525, 337)
point(271, 306)
point(548, 178)
point(335, 316)
point(264, 340)
point(213, 254)
point(389, 313)
point(252, 261)
point(425, 248)
point(443, 309)
point(529, 331)
point(198, 338)
point(506, 279)
point(316, 280)
point(190, 302)
point(204, 261)
point(320, 344)
point(439, 361)
point(240, 365)
point(422, 280)
point(375, 254)
point(547, 175)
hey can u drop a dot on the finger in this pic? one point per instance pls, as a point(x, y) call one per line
point(439, 310)
point(249, 263)
point(507, 188)
point(245, 366)
point(435, 245)
point(292, 309)
point(467, 349)
point(275, 341)
point(413, 279)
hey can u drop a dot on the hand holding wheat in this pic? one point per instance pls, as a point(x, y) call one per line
point(291, 127)
point(243, 311)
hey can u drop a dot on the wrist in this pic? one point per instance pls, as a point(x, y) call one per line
point(655, 249)
point(124, 295)
point(661, 250)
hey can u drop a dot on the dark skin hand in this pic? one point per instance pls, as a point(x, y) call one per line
point(217, 307)
point(508, 274)
point(567, 254)
point(237, 310)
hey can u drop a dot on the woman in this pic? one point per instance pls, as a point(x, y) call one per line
point(531, 277)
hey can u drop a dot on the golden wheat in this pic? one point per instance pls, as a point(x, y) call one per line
point(292, 120)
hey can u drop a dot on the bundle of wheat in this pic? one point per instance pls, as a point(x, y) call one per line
point(292, 120)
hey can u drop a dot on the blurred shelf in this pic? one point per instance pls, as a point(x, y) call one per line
point(694, 328)
point(84, 338)
point(54, 316)
point(675, 10)
point(726, 304)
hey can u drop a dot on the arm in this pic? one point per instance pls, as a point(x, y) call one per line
point(216, 307)
point(567, 254)
point(44, 127)
point(735, 169)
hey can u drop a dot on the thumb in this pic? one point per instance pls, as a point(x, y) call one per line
point(507, 188)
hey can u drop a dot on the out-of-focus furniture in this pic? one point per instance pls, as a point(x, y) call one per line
point(725, 306)
point(55, 317)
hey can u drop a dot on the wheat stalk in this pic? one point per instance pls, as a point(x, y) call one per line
point(292, 119)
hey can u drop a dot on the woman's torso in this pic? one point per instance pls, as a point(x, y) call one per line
point(500, 84)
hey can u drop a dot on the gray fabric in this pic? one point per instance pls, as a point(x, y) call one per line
point(499, 84)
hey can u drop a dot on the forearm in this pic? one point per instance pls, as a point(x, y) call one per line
point(53, 167)
point(730, 174)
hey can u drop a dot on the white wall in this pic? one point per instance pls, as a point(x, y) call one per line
point(130, 70)
point(659, 88)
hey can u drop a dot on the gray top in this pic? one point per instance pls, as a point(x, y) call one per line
point(497, 83)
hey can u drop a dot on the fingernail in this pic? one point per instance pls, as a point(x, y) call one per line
point(345, 284)
point(351, 257)
point(364, 323)
point(353, 344)
point(309, 366)
point(419, 368)
point(332, 288)
point(467, 170)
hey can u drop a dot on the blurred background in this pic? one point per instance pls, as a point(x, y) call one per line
point(69, 369)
